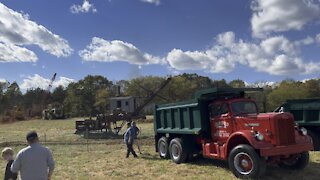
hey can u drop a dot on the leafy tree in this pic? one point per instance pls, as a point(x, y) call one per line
point(58, 95)
point(81, 96)
point(102, 100)
point(312, 87)
point(237, 83)
point(287, 89)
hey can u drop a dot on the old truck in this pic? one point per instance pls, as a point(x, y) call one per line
point(222, 123)
point(306, 113)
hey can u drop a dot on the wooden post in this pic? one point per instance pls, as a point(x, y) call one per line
point(87, 137)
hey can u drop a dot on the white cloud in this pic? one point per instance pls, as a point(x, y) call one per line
point(63, 81)
point(37, 81)
point(275, 55)
point(16, 30)
point(318, 38)
point(261, 84)
point(85, 7)
point(306, 41)
point(13, 53)
point(279, 16)
point(156, 2)
point(109, 51)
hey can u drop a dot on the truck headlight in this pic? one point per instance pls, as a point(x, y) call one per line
point(303, 131)
point(259, 136)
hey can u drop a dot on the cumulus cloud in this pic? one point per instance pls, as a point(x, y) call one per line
point(275, 55)
point(279, 16)
point(85, 7)
point(156, 2)
point(37, 81)
point(16, 31)
point(13, 53)
point(109, 51)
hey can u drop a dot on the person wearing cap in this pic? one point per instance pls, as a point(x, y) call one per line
point(7, 154)
point(129, 139)
point(34, 162)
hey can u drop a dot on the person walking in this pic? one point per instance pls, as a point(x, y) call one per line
point(34, 162)
point(129, 139)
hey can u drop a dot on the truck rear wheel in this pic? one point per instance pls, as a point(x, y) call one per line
point(245, 162)
point(163, 148)
point(177, 153)
point(297, 163)
point(315, 140)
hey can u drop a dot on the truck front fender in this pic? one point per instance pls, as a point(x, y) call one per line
point(244, 137)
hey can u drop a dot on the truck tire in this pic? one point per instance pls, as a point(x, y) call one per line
point(298, 163)
point(246, 163)
point(177, 153)
point(163, 148)
point(315, 140)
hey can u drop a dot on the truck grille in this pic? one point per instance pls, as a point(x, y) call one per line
point(285, 134)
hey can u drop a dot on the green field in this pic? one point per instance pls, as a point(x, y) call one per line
point(78, 158)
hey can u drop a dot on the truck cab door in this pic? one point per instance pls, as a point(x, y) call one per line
point(220, 122)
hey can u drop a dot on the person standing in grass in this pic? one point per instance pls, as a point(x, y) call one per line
point(7, 154)
point(129, 136)
point(34, 162)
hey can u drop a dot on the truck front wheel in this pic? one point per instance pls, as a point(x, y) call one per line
point(177, 153)
point(163, 148)
point(298, 162)
point(245, 162)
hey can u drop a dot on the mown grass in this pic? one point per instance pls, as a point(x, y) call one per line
point(104, 159)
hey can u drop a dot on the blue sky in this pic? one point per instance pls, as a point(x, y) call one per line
point(253, 40)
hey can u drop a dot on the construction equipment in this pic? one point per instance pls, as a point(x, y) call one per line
point(123, 110)
point(54, 110)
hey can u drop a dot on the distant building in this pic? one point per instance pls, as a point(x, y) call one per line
point(127, 104)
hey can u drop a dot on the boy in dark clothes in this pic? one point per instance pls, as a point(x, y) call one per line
point(7, 154)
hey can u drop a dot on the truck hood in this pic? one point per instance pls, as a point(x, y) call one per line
point(277, 127)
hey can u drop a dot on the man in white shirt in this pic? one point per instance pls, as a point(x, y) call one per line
point(34, 162)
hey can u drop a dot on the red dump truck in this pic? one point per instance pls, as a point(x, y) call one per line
point(220, 123)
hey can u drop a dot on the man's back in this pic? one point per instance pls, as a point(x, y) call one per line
point(33, 162)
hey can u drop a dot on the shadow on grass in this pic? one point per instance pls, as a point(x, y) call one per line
point(152, 157)
point(201, 161)
point(272, 171)
point(197, 160)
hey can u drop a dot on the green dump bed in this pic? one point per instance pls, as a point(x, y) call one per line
point(182, 118)
point(192, 117)
point(305, 111)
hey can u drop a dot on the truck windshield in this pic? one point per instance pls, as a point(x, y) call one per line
point(243, 107)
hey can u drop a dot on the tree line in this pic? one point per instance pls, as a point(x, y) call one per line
point(90, 95)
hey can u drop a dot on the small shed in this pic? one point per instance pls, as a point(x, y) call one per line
point(127, 103)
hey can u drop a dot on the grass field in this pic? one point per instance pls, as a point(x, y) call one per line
point(78, 158)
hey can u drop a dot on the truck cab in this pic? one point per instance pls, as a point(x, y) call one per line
point(223, 124)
